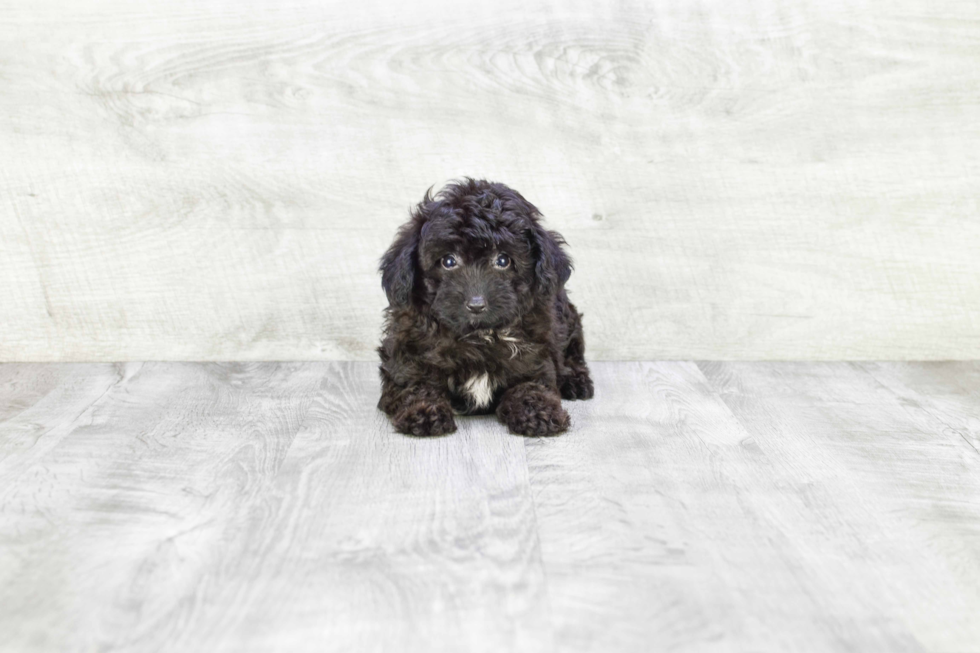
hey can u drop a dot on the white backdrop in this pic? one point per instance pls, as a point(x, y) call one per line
point(737, 180)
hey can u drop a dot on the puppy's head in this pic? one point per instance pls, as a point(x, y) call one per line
point(475, 256)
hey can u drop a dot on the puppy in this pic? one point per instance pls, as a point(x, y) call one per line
point(478, 320)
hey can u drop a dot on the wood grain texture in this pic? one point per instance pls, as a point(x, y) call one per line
point(749, 506)
point(124, 518)
point(884, 533)
point(216, 180)
point(257, 507)
point(691, 507)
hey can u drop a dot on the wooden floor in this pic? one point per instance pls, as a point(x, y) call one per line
point(693, 506)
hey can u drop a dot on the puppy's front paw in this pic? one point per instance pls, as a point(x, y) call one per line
point(425, 418)
point(533, 412)
point(577, 385)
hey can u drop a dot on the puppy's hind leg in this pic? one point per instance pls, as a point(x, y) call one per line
point(574, 379)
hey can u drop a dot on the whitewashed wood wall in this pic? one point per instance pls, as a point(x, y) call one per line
point(198, 179)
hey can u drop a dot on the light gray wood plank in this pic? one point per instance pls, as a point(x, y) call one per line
point(41, 404)
point(177, 520)
point(709, 506)
point(949, 391)
point(632, 558)
point(888, 500)
point(775, 179)
point(23, 386)
point(767, 507)
point(374, 541)
point(113, 534)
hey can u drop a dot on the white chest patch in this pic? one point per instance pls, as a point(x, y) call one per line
point(479, 388)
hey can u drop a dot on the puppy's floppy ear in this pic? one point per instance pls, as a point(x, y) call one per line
point(398, 265)
point(552, 267)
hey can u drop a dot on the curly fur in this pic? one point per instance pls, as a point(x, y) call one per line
point(517, 350)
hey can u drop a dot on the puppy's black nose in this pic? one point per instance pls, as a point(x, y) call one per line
point(476, 304)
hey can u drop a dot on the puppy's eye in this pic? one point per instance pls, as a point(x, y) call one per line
point(449, 262)
point(501, 262)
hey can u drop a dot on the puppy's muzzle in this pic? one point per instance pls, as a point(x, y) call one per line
point(476, 304)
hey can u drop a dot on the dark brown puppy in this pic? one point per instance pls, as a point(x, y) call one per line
point(478, 319)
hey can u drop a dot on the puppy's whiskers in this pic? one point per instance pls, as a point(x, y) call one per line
point(479, 336)
point(489, 336)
